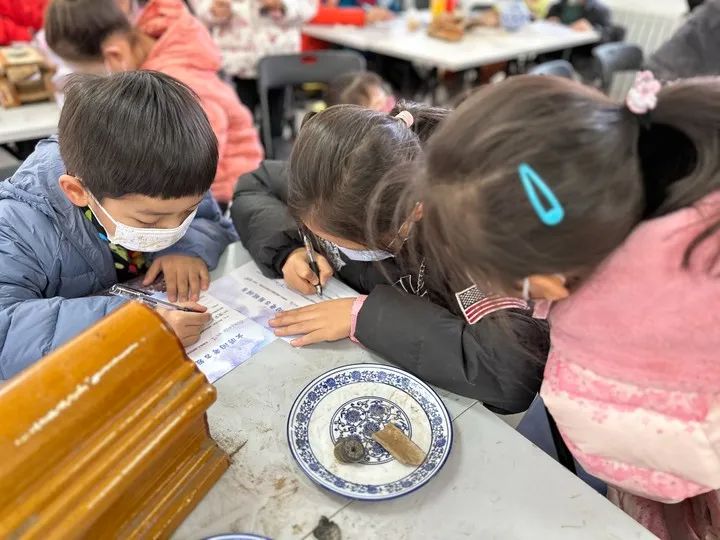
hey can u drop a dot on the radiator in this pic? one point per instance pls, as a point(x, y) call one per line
point(645, 28)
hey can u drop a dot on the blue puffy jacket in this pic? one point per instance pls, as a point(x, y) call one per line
point(51, 261)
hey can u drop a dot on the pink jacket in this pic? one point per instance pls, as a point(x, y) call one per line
point(186, 51)
point(633, 377)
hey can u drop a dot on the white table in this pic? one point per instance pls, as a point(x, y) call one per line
point(26, 122)
point(494, 485)
point(480, 46)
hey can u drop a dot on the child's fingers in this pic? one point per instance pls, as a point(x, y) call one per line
point(171, 286)
point(326, 271)
point(196, 319)
point(152, 273)
point(291, 317)
point(204, 278)
point(194, 282)
point(183, 286)
point(308, 339)
point(199, 308)
point(300, 328)
point(300, 285)
point(306, 273)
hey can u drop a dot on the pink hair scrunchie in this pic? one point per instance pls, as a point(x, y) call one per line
point(643, 96)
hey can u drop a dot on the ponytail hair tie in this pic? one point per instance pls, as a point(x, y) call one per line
point(406, 117)
point(643, 96)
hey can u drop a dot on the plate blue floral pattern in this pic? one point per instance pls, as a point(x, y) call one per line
point(358, 412)
point(362, 417)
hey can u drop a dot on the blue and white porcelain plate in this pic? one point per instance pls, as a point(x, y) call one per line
point(356, 401)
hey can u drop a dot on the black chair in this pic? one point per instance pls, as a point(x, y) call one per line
point(555, 68)
point(612, 58)
point(283, 71)
point(7, 172)
point(616, 32)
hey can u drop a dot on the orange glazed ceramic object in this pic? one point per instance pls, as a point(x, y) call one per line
point(107, 436)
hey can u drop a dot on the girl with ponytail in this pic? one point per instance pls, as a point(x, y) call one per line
point(612, 211)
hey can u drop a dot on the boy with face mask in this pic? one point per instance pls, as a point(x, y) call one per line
point(122, 190)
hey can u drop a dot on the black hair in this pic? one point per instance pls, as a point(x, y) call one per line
point(76, 29)
point(339, 159)
point(139, 132)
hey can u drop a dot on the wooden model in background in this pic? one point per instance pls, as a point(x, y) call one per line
point(25, 76)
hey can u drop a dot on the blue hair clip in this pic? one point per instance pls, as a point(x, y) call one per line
point(531, 181)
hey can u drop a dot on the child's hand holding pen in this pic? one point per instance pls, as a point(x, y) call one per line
point(300, 277)
point(187, 325)
point(187, 319)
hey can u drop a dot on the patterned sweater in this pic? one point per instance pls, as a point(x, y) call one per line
point(250, 35)
point(633, 377)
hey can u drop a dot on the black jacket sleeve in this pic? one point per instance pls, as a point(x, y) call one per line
point(555, 10)
point(499, 360)
point(262, 219)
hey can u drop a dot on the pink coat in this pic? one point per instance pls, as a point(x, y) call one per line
point(633, 377)
point(186, 51)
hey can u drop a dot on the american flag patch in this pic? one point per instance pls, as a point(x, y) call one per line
point(475, 305)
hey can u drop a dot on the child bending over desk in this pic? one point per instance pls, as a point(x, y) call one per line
point(120, 192)
point(623, 231)
point(449, 337)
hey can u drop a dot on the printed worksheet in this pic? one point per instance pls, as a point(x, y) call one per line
point(259, 298)
point(241, 304)
point(228, 341)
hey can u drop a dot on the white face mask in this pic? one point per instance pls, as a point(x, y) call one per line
point(145, 240)
point(365, 255)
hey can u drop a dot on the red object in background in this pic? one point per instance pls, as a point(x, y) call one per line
point(332, 15)
point(450, 5)
point(20, 19)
